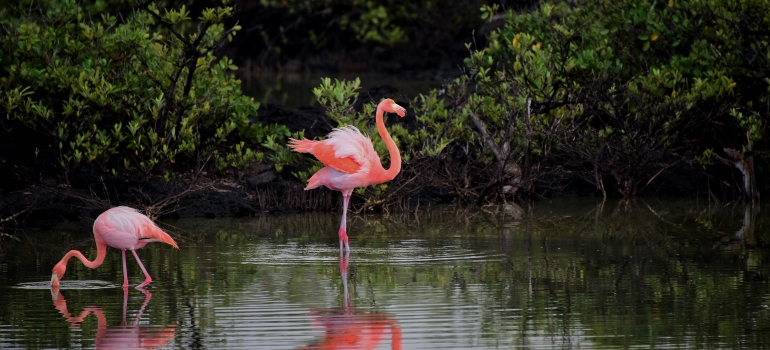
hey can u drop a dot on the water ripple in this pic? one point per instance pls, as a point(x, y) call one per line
point(293, 254)
point(68, 285)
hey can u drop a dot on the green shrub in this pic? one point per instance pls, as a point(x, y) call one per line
point(615, 88)
point(141, 93)
point(617, 91)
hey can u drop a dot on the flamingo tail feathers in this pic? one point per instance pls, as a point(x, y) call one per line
point(302, 146)
point(149, 230)
point(157, 233)
point(152, 231)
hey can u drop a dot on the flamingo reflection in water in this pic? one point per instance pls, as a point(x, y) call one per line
point(134, 336)
point(345, 329)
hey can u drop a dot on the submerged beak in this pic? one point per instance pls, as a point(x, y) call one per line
point(54, 280)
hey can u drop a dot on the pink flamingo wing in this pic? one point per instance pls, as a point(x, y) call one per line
point(345, 149)
point(349, 142)
point(326, 154)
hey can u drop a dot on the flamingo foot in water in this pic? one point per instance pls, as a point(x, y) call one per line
point(147, 278)
point(344, 242)
point(146, 282)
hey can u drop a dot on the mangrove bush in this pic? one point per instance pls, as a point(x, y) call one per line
point(141, 91)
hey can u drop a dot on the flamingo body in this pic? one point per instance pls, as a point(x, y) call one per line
point(350, 160)
point(349, 157)
point(123, 228)
point(126, 228)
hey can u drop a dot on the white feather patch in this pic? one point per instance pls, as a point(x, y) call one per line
point(348, 141)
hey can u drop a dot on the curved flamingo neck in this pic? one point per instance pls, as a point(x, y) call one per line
point(395, 156)
point(101, 252)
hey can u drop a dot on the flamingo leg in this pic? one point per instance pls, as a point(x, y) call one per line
point(147, 279)
point(343, 227)
point(125, 270)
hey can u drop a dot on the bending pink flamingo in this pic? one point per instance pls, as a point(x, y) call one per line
point(122, 228)
point(350, 160)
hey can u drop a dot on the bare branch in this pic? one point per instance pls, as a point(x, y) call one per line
point(488, 140)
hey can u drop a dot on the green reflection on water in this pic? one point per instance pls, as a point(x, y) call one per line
point(567, 274)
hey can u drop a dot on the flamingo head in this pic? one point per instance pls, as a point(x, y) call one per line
point(58, 272)
point(390, 106)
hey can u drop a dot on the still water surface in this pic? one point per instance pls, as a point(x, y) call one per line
point(568, 274)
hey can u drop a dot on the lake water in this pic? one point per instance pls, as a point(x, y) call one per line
point(566, 274)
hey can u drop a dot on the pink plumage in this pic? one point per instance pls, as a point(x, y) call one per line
point(123, 228)
point(351, 161)
point(127, 228)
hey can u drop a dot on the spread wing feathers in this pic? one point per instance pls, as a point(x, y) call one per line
point(126, 219)
point(344, 149)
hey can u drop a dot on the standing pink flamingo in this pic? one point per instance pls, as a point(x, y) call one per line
point(122, 228)
point(350, 160)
